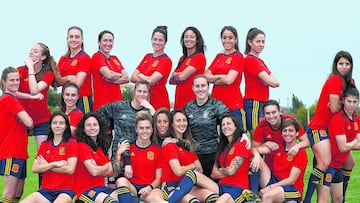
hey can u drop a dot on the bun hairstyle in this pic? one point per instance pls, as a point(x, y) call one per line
point(252, 33)
point(162, 29)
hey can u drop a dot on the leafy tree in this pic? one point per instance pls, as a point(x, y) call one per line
point(127, 91)
point(54, 100)
point(296, 103)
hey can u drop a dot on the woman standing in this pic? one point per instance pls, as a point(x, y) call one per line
point(155, 68)
point(191, 63)
point(93, 164)
point(258, 78)
point(69, 100)
point(226, 71)
point(329, 103)
point(14, 142)
point(36, 76)
point(74, 67)
point(56, 160)
point(107, 71)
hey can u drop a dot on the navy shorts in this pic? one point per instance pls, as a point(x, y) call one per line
point(338, 175)
point(41, 129)
point(13, 167)
point(316, 136)
point(290, 192)
point(234, 191)
point(253, 111)
point(51, 195)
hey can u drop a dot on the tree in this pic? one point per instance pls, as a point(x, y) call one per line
point(54, 100)
point(127, 91)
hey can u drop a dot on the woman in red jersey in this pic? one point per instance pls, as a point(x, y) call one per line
point(56, 160)
point(191, 63)
point(155, 68)
point(107, 71)
point(13, 143)
point(74, 67)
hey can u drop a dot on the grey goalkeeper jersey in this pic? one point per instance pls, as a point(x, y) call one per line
point(203, 123)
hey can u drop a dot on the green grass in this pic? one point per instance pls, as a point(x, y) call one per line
point(31, 183)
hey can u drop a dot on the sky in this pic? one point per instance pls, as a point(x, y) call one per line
point(302, 37)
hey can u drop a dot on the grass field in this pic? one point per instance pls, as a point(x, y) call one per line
point(31, 183)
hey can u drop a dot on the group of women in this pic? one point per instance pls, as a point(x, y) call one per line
point(188, 135)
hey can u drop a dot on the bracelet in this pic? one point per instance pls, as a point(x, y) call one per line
point(152, 187)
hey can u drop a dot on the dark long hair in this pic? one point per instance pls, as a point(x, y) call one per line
point(187, 136)
point(63, 105)
point(348, 78)
point(224, 143)
point(252, 33)
point(67, 133)
point(234, 31)
point(157, 138)
point(103, 140)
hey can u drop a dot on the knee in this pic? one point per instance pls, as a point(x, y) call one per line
point(121, 182)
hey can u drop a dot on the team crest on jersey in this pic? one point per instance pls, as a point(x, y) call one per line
point(206, 114)
point(116, 62)
point(156, 63)
point(132, 154)
point(290, 158)
point(232, 150)
point(62, 151)
point(322, 133)
point(74, 62)
point(91, 193)
point(228, 60)
point(356, 127)
point(188, 62)
point(150, 155)
point(15, 168)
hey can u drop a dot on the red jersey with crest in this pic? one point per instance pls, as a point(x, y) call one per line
point(172, 151)
point(240, 178)
point(254, 87)
point(37, 109)
point(14, 136)
point(321, 119)
point(149, 158)
point(230, 94)
point(159, 96)
point(341, 124)
point(52, 180)
point(284, 162)
point(84, 180)
point(105, 92)
point(183, 91)
point(264, 132)
point(73, 65)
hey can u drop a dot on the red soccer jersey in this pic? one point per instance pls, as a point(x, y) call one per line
point(172, 151)
point(72, 66)
point(84, 180)
point(240, 178)
point(230, 94)
point(74, 118)
point(254, 87)
point(37, 109)
point(183, 91)
point(264, 132)
point(144, 157)
point(321, 119)
point(105, 92)
point(14, 137)
point(284, 162)
point(159, 96)
point(53, 180)
point(340, 124)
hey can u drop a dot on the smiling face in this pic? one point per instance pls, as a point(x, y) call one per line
point(144, 130)
point(36, 54)
point(12, 82)
point(289, 134)
point(162, 124)
point(92, 127)
point(106, 43)
point(272, 115)
point(190, 40)
point(58, 125)
point(180, 124)
point(141, 93)
point(200, 87)
point(74, 38)
point(228, 41)
point(70, 96)
point(158, 42)
point(228, 128)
